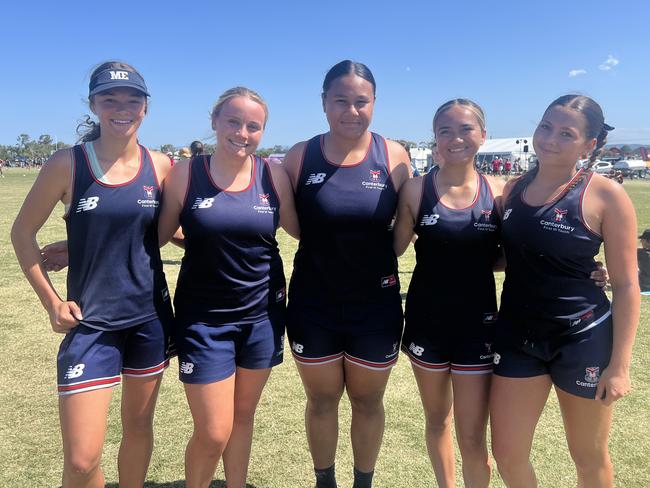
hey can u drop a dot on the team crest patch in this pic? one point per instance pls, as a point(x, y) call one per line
point(486, 214)
point(148, 190)
point(264, 198)
point(387, 281)
point(559, 214)
point(280, 294)
point(374, 182)
point(592, 375)
point(374, 175)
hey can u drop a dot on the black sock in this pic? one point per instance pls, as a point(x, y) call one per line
point(362, 480)
point(325, 478)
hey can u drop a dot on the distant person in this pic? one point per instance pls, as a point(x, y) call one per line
point(643, 257)
point(115, 320)
point(555, 327)
point(185, 153)
point(196, 148)
point(2, 163)
point(507, 167)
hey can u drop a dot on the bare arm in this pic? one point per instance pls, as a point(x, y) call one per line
point(618, 228)
point(399, 164)
point(288, 216)
point(407, 210)
point(292, 163)
point(174, 191)
point(51, 186)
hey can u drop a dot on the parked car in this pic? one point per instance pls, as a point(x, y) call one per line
point(602, 167)
point(632, 168)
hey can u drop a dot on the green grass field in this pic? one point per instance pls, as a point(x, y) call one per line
point(30, 445)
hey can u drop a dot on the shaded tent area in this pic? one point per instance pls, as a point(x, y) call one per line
point(517, 149)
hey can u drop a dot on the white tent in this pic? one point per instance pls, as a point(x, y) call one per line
point(513, 148)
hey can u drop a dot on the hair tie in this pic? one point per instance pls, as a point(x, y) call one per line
point(607, 127)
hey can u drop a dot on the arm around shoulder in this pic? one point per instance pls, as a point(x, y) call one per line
point(292, 162)
point(407, 211)
point(284, 189)
point(399, 164)
point(174, 192)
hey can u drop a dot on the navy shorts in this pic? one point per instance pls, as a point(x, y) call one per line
point(367, 335)
point(89, 358)
point(574, 361)
point(470, 354)
point(210, 353)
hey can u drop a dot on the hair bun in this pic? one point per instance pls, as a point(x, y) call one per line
point(607, 127)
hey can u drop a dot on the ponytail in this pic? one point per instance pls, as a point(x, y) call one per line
point(601, 140)
point(88, 130)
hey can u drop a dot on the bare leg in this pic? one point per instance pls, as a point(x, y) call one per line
point(83, 428)
point(212, 411)
point(365, 389)
point(249, 384)
point(139, 396)
point(587, 423)
point(436, 396)
point(323, 386)
point(515, 407)
point(471, 396)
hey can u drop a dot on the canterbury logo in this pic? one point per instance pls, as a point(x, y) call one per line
point(202, 203)
point(559, 214)
point(315, 178)
point(431, 219)
point(148, 190)
point(86, 204)
point(486, 213)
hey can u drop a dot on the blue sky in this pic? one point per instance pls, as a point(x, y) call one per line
point(513, 58)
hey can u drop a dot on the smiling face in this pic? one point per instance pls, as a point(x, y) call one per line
point(239, 125)
point(348, 105)
point(560, 138)
point(459, 135)
point(120, 111)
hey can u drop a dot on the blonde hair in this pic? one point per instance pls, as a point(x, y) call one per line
point(239, 91)
point(473, 107)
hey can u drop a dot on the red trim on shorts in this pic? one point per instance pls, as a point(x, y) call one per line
point(371, 364)
point(98, 383)
point(146, 371)
point(438, 367)
point(323, 360)
point(471, 369)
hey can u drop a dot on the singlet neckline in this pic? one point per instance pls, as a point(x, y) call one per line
point(206, 163)
point(352, 165)
point(567, 187)
point(471, 205)
point(96, 170)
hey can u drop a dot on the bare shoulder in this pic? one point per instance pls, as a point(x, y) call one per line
point(497, 185)
point(397, 154)
point(61, 160)
point(607, 189)
point(293, 160)
point(162, 163)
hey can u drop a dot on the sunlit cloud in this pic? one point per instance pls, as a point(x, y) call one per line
point(609, 63)
point(577, 72)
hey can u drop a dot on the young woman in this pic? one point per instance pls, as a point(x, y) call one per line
point(450, 321)
point(555, 327)
point(110, 186)
point(230, 296)
point(345, 315)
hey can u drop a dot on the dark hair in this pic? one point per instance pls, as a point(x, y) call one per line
point(196, 148)
point(347, 67)
point(472, 106)
point(594, 118)
point(89, 130)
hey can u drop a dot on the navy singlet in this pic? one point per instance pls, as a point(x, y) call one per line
point(231, 271)
point(455, 254)
point(346, 252)
point(115, 273)
point(550, 254)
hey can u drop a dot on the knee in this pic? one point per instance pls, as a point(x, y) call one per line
point(81, 465)
point(212, 440)
point(323, 403)
point(472, 442)
point(590, 460)
point(367, 404)
point(137, 425)
point(437, 424)
point(509, 462)
point(245, 414)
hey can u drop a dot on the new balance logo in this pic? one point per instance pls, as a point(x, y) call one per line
point(417, 350)
point(315, 178)
point(507, 214)
point(202, 203)
point(119, 75)
point(431, 219)
point(74, 371)
point(86, 204)
point(187, 368)
point(299, 348)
